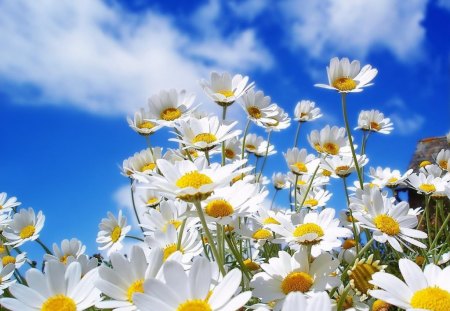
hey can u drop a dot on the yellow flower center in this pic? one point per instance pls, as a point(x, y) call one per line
point(64, 258)
point(375, 126)
point(173, 222)
point(361, 274)
point(301, 167)
point(148, 167)
point(387, 224)
point(308, 228)
point(136, 287)
point(326, 173)
point(250, 148)
point(331, 148)
point(152, 201)
point(193, 179)
point(311, 202)
point(380, 305)
point(262, 234)
point(419, 260)
point(348, 244)
point(392, 180)
point(301, 182)
point(204, 137)
point(1, 206)
point(229, 154)
point(344, 84)
point(170, 114)
point(427, 188)
point(296, 282)
point(431, 298)
point(169, 250)
point(115, 234)
point(343, 169)
point(254, 112)
point(424, 163)
point(318, 147)
point(443, 164)
point(251, 265)
point(219, 208)
point(351, 219)
point(270, 221)
point(237, 178)
point(8, 259)
point(194, 305)
point(226, 93)
point(27, 231)
point(59, 303)
point(146, 125)
point(2, 249)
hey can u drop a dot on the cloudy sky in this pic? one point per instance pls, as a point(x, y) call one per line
point(70, 72)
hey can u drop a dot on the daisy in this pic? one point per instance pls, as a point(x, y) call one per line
point(60, 288)
point(287, 274)
point(300, 162)
point(87, 263)
point(206, 133)
point(342, 165)
point(259, 108)
point(168, 107)
point(169, 213)
point(126, 277)
point(361, 274)
point(258, 146)
point(390, 223)
point(9, 204)
point(141, 125)
point(233, 149)
point(25, 226)
point(315, 198)
point(167, 241)
point(18, 261)
point(6, 271)
point(73, 248)
point(374, 121)
point(351, 301)
point(348, 251)
point(184, 292)
point(5, 219)
point(421, 290)
point(225, 90)
point(148, 197)
point(192, 181)
point(330, 140)
point(346, 77)
point(141, 162)
point(280, 181)
point(442, 159)
point(306, 110)
point(386, 177)
point(303, 181)
point(238, 200)
point(255, 231)
point(112, 231)
point(321, 230)
point(297, 301)
point(279, 121)
point(426, 184)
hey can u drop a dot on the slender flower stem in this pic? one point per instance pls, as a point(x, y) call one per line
point(224, 112)
point(147, 138)
point(207, 157)
point(296, 134)
point(134, 238)
point(295, 193)
point(350, 140)
point(180, 234)
point(46, 249)
point(238, 257)
point(134, 205)
point(209, 237)
point(224, 115)
point(359, 254)
point(265, 156)
point(273, 199)
point(355, 232)
point(438, 235)
point(309, 186)
point(342, 297)
point(244, 138)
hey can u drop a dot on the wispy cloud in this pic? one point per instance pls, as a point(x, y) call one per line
point(355, 28)
point(106, 60)
point(406, 121)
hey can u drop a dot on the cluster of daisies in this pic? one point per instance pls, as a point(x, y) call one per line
point(210, 237)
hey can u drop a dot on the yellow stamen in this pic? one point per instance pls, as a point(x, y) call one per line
point(148, 167)
point(311, 202)
point(115, 234)
point(331, 148)
point(343, 169)
point(229, 154)
point(326, 173)
point(349, 243)
point(169, 250)
point(262, 234)
point(135, 287)
point(193, 179)
point(251, 265)
point(27, 231)
point(424, 163)
point(380, 305)
point(392, 180)
point(59, 303)
point(250, 148)
point(374, 126)
point(64, 258)
point(431, 298)
point(296, 282)
point(270, 221)
point(361, 274)
point(170, 114)
point(152, 201)
point(146, 125)
point(443, 164)
point(387, 224)
point(7, 260)
point(427, 188)
point(204, 137)
point(301, 167)
point(308, 228)
point(254, 112)
point(419, 260)
point(344, 84)
point(219, 208)
point(226, 93)
point(194, 305)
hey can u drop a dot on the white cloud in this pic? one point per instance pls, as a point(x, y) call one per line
point(407, 124)
point(248, 9)
point(355, 27)
point(445, 4)
point(106, 60)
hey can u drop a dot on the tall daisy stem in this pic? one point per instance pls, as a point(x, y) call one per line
point(244, 138)
point(309, 186)
point(297, 132)
point(265, 156)
point(46, 249)
point(342, 297)
point(273, 198)
point(209, 237)
point(355, 232)
point(349, 135)
point(134, 205)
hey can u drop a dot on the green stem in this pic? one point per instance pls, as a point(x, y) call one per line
point(207, 157)
point(296, 134)
point(295, 193)
point(309, 185)
point(359, 254)
point(238, 257)
point(265, 156)
point(147, 138)
point(442, 229)
point(180, 234)
point(134, 205)
point(134, 238)
point(342, 297)
point(355, 232)
point(244, 138)
point(46, 249)
point(350, 140)
point(273, 198)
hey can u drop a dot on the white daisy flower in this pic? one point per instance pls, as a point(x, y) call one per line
point(233, 149)
point(330, 140)
point(259, 108)
point(265, 216)
point(279, 121)
point(6, 271)
point(5, 219)
point(192, 181)
point(303, 181)
point(60, 288)
point(287, 274)
point(386, 177)
point(342, 165)
point(300, 162)
point(348, 251)
point(426, 184)
point(421, 290)
point(148, 197)
point(257, 145)
point(315, 198)
point(253, 230)
point(87, 264)
point(206, 133)
point(184, 292)
point(225, 90)
point(306, 110)
point(351, 301)
point(141, 162)
point(170, 106)
point(298, 301)
point(126, 277)
point(319, 230)
point(167, 241)
point(361, 274)
point(346, 77)
point(280, 181)
point(442, 159)
point(25, 226)
point(169, 213)
point(18, 260)
point(7, 204)
point(374, 121)
point(141, 125)
point(390, 223)
point(112, 231)
point(73, 248)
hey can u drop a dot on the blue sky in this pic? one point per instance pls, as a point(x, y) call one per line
point(70, 71)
